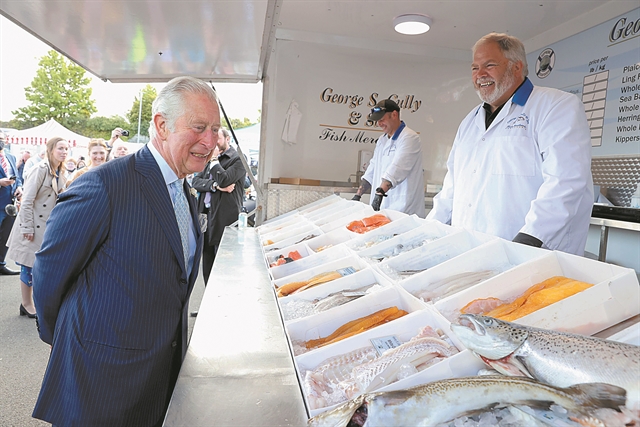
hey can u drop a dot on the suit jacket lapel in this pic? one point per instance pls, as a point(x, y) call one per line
point(157, 195)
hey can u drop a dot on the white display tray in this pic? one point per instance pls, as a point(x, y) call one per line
point(349, 207)
point(286, 240)
point(333, 238)
point(365, 277)
point(325, 323)
point(375, 237)
point(322, 212)
point(614, 297)
point(348, 261)
point(404, 328)
point(498, 255)
point(318, 204)
point(431, 254)
point(428, 232)
point(302, 249)
point(345, 217)
point(313, 260)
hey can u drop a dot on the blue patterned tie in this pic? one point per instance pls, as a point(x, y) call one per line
point(181, 206)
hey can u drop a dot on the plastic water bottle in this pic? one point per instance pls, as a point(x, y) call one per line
point(242, 220)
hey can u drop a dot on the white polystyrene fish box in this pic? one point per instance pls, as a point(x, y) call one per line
point(313, 260)
point(412, 239)
point(345, 217)
point(325, 323)
point(614, 297)
point(348, 208)
point(297, 306)
point(429, 255)
point(321, 203)
point(330, 239)
point(322, 212)
point(292, 219)
point(272, 222)
point(334, 265)
point(284, 233)
point(379, 235)
point(400, 330)
point(302, 249)
point(476, 265)
point(292, 237)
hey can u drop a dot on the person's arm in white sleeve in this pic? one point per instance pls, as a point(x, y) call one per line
point(408, 152)
point(565, 146)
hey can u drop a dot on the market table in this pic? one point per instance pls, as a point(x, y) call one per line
point(238, 370)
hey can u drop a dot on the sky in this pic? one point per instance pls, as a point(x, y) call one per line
point(20, 53)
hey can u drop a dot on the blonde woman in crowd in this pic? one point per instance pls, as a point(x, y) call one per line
point(40, 193)
point(97, 155)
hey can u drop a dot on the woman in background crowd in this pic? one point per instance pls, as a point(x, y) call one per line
point(97, 155)
point(70, 165)
point(41, 189)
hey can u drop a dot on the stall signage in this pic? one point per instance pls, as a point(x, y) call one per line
point(356, 125)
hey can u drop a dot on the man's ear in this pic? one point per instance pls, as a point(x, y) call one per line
point(162, 127)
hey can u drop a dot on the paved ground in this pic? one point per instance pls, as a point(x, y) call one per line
point(23, 357)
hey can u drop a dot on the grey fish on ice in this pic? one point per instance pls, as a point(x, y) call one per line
point(445, 400)
point(557, 358)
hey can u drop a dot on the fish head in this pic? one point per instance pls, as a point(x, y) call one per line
point(489, 337)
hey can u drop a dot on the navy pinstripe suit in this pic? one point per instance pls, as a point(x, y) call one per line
point(111, 292)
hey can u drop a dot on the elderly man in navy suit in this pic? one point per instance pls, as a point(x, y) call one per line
point(10, 188)
point(116, 268)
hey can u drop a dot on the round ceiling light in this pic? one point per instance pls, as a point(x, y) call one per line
point(412, 24)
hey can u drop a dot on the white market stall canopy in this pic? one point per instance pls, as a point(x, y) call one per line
point(222, 40)
point(40, 134)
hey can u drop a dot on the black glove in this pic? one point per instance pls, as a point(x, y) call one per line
point(356, 198)
point(377, 200)
point(525, 239)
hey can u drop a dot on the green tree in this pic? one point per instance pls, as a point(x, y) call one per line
point(149, 94)
point(239, 124)
point(101, 127)
point(58, 91)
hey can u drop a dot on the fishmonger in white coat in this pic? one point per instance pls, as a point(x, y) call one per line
point(396, 166)
point(520, 165)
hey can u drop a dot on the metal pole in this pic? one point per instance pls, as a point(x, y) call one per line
point(139, 115)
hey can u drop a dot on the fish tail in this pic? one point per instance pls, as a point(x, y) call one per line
point(599, 395)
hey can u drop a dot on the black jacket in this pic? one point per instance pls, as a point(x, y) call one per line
point(224, 206)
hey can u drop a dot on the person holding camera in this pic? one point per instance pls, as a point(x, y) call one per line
point(10, 189)
point(115, 137)
point(41, 190)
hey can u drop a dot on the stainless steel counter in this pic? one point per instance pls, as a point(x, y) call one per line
point(238, 370)
point(605, 224)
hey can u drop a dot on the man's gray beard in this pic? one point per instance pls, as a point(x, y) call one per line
point(501, 87)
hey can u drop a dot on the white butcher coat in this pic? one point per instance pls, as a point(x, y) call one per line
point(399, 161)
point(529, 172)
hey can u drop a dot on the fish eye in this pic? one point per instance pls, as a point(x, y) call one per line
point(487, 321)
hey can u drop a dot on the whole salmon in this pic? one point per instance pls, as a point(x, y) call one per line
point(442, 401)
point(557, 358)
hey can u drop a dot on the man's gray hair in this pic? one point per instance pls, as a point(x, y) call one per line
point(170, 101)
point(511, 47)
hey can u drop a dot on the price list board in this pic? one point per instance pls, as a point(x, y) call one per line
point(602, 67)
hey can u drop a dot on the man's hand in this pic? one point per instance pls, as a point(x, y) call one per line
point(18, 193)
point(377, 199)
point(228, 189)
point(5, 182)
point(356, 198)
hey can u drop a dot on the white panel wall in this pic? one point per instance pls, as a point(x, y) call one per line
point(302, 71)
